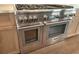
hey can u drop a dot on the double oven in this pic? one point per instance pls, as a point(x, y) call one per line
point(41, 25)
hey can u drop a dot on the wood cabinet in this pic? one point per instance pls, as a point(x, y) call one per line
point(8, 34)
point(77, 30)
point(7, 19)
point(9, 40)
point(73, 24)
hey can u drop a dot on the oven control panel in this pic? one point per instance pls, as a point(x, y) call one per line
point(62, 14)
point(30, 18)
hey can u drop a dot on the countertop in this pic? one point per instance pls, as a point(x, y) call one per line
point(7, 8)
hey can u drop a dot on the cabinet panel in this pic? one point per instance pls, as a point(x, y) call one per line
point(7, 19)
point(9, 41)
point(73, 24)
point(77, 31)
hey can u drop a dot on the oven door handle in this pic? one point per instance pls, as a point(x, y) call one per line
point(60, 22)
point(29, 26)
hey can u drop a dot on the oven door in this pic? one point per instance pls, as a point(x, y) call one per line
point(55, 32)
point(30, 39)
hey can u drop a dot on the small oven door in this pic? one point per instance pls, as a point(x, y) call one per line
point(30, 39)
point(55, 32)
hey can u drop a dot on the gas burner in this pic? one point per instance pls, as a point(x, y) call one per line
point(27, 7)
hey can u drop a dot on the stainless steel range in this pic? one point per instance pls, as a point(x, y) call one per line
point(30, 27)
point(41, 25)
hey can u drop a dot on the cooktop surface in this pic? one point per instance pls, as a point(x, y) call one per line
point(39, 6)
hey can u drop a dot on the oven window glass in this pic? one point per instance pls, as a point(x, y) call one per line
point(56, 30)
point(31, 35)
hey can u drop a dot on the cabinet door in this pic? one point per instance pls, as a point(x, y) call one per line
point(9, 41)
point(73, 24)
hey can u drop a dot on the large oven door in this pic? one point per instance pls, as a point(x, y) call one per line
point(30, 39)
point(55, 32)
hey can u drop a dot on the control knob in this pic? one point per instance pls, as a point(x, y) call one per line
point(20, 19)
point(30, 19)
point(35, 18)
point(45, 17)
point(25, 19)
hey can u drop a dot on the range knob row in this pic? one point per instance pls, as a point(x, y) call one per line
point(29, 19)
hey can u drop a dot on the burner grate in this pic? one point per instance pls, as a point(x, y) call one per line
point(41, 6)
